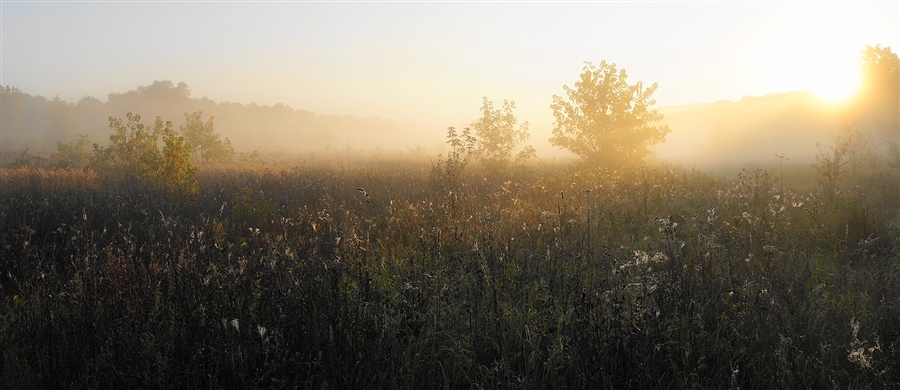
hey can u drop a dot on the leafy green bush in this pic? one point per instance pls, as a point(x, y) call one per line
point(72, 155)
point(134, 152)
point(203, 139)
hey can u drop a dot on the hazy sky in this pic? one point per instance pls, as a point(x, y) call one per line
point(432, 62)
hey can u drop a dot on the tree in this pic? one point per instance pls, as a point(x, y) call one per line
point(204, 140)
point(463, 147)
point(134, 152)
point(15, 134)
point(606, 121)
point(61, 120)
point(880, 70)
point(171, 170)
point(879, 106)
point(72, 154)
point(131, 146)
point(498, 137)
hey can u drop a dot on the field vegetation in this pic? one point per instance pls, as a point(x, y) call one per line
point(396, 273)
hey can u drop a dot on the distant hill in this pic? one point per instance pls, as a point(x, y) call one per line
point(38, 123)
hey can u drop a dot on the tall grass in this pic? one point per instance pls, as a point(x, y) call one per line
point(545, 276)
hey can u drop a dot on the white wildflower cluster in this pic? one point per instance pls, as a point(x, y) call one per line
point(643, 279)
point(642, 258)
point(666, 224)
point(775, 209)
point(747, 217)
point(860, 351)
point(711, 215)
point(262, 332)
point(234, 323)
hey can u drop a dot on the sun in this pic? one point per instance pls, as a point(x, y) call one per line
point(837, 81)
point(808, 52)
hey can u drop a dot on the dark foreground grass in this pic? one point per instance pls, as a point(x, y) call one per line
point(402, 276)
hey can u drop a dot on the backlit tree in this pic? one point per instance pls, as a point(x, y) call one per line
point(606, 121)
point(498, 135)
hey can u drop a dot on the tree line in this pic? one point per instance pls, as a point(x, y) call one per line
point(602, 119)
point(38, 123)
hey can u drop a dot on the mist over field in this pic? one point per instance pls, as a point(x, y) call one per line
point(728, 135)
point(720, 136)
point(453, 195)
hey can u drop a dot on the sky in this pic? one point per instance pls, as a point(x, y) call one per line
point(431, 63)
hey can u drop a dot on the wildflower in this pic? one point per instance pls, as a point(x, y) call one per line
point(236, 324)
point(663, 223)
point(711, 215)
point(770, 250)
point(641, 257)
point(774, 210)
point(861, 353)
point(261, 330)
point(660, 257)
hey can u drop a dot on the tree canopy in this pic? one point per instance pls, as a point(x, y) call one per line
point(880, 70)
point(606, 121)
point(204, 140)
point(879, 106)
point(498, 136)
point(134, 151)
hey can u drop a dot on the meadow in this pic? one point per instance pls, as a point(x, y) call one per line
point(392, 273)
